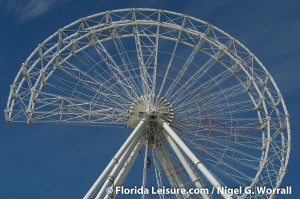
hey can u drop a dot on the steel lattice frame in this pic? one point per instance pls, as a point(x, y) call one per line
point(116, 67)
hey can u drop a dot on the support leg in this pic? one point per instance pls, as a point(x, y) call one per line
point(115, 160)
point(176, 176)
point(157, 174)
point(170, 173)
point(114, 172)
point(145, 167)
point(186, 166)
point(169, 132)
point(126, 167)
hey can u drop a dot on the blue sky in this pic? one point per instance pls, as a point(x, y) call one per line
point(56, 161)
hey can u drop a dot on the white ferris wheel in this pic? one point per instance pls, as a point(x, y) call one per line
point(205, 109)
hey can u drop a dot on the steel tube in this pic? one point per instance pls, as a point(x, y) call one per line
point(126, 167)
point(170, 174)
point(115, 159)
point(169, 131)
point(111, 177)
point(186, 166)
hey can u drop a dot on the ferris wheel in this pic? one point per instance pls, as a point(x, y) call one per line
point(204, 108)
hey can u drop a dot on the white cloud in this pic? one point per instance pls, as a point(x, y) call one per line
point(28, 9)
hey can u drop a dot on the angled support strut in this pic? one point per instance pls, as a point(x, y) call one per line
point(186, 166)
point(169, 132)
point(115, 160)
point(126, 168)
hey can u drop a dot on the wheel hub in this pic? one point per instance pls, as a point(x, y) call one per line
point(151, 105)
point(155, 107)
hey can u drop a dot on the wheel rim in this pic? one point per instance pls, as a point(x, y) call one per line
point(226, 105)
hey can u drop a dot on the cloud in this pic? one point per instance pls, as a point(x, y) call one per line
point(28, 9)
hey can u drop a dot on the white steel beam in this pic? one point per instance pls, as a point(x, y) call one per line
point(111, 177)
point(186, 166)
point(158, 174)
point(115, 159)
point(178, 179)
point(170, 173)
point(126, 167)
point(169, 132)
point(145, 167)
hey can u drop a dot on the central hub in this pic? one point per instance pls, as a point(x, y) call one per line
point(155, 107)
point(151, 105)
point(152, 110)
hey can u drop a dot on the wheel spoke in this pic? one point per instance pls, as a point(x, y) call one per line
point(214, 100)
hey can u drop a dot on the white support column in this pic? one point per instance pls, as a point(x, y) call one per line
point(186, 166)
point(170, 173)
point(177, 178)
point(111, 177)
point(158, 174)
point(126, 167)
point(169, 131)
point(145, 167)
point(115, 159)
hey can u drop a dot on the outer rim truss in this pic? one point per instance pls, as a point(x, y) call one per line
point(26, 91)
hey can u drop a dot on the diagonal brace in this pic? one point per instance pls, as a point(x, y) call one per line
point(169, 131)
point(115, 160)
